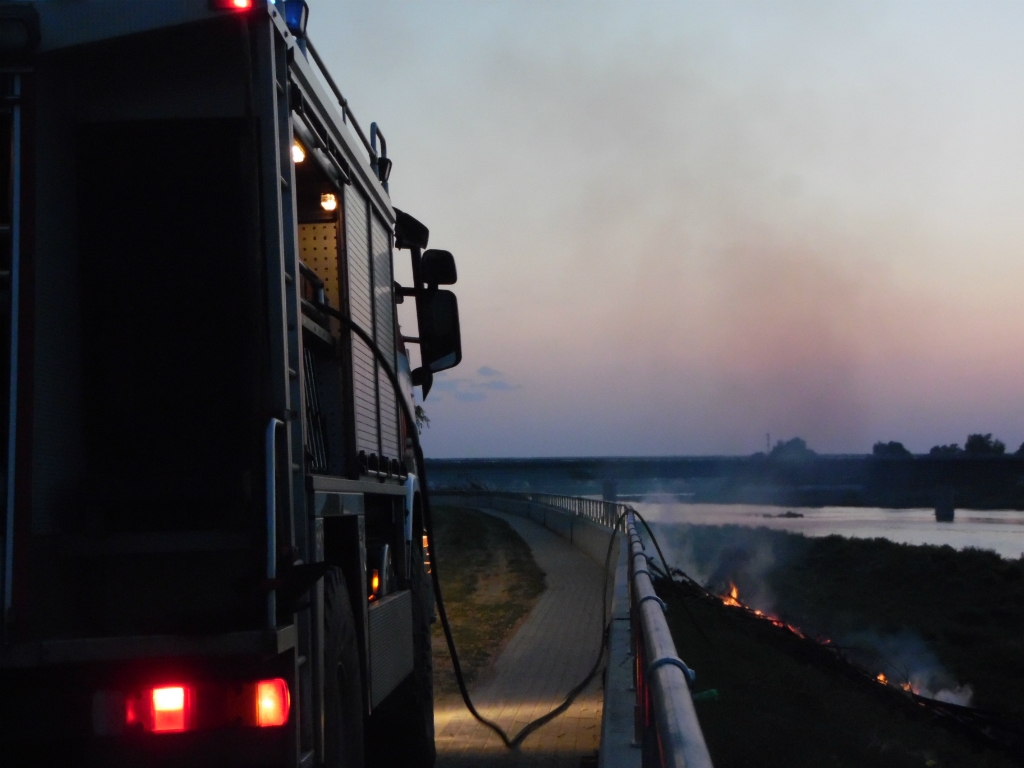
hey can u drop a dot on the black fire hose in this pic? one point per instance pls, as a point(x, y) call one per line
point(428, 523)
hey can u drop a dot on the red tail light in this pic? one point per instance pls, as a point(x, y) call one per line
point(167, 709)
point(231, 5)
point(273, 701)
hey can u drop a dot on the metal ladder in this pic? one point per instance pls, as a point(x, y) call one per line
point(272, 109)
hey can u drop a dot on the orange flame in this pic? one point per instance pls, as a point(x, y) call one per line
point(733, 598)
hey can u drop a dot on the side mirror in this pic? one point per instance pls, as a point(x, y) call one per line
point(409, 233)
point(438, 268)
point(441, 348)
point(440, 337)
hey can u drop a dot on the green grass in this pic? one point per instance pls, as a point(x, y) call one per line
point(490, 583)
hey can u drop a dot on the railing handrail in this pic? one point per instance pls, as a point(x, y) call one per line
point(346, 111)
point(607, 513)
point(662, 679)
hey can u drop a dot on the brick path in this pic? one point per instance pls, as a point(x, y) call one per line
point(551, 653)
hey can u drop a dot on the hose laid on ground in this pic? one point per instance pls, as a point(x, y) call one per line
point(428, 523)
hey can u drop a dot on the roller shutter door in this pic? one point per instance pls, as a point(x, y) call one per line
point(384, 310)
point(360, 275)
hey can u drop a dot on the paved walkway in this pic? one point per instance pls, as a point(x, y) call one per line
point(550, 654)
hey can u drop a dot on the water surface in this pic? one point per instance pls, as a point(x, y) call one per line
point(1001, 531)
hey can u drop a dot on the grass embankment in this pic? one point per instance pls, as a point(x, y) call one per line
point(490, 583)
point(962, 611)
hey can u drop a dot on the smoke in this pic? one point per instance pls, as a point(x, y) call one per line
point(906, 660)
point(719, 556)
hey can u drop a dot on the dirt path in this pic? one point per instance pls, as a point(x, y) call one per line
point(552, 651)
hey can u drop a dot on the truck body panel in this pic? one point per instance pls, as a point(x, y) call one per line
point(194, 439)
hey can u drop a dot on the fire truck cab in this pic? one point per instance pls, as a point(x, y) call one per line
point(213, 552)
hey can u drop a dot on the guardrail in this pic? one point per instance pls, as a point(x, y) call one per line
point(666, 722)
point(665, 725)
point(607, 513)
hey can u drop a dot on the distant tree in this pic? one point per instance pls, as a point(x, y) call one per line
point(891, 450)
point(984, 445)
point(1020, 451)
point(794, 449)
point(953, 449)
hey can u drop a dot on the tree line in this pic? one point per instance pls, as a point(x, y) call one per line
point(977, 444)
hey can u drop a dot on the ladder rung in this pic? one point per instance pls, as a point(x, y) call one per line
point(288, 278)
point(284, 182)
point(292, 373)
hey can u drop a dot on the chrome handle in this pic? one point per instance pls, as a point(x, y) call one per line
point(271, 468)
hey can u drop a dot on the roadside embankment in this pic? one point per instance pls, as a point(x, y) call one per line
point(943, 623)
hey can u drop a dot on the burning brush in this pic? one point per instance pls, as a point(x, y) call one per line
point(989, 726)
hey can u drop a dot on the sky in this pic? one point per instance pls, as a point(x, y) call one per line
point(681, 227)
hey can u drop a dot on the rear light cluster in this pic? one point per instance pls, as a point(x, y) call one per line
point(175, 708)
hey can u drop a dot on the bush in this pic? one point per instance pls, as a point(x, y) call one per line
point(984, 445)
point(891, 450)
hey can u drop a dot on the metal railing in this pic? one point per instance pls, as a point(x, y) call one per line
point(665, 723)
point(607, 513)
point(346, 112)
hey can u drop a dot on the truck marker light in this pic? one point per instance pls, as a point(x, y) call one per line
point(374, 584)
point(328, 201)
point(298, 153)
point(273, 701)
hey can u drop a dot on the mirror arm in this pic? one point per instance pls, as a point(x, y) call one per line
point(403, 292)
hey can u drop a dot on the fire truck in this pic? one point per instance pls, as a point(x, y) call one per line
point(213, 544)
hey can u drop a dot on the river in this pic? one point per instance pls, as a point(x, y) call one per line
point(1001, 531)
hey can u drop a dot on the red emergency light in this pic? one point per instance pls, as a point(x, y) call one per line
point(231, 5)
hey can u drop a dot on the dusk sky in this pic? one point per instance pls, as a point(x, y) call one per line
point(681, 226)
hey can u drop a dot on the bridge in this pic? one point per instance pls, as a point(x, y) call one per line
point(637, 711)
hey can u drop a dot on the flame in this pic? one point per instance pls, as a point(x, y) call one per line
point(733, 598)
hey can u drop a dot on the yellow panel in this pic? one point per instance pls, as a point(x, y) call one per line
point(318, 249)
